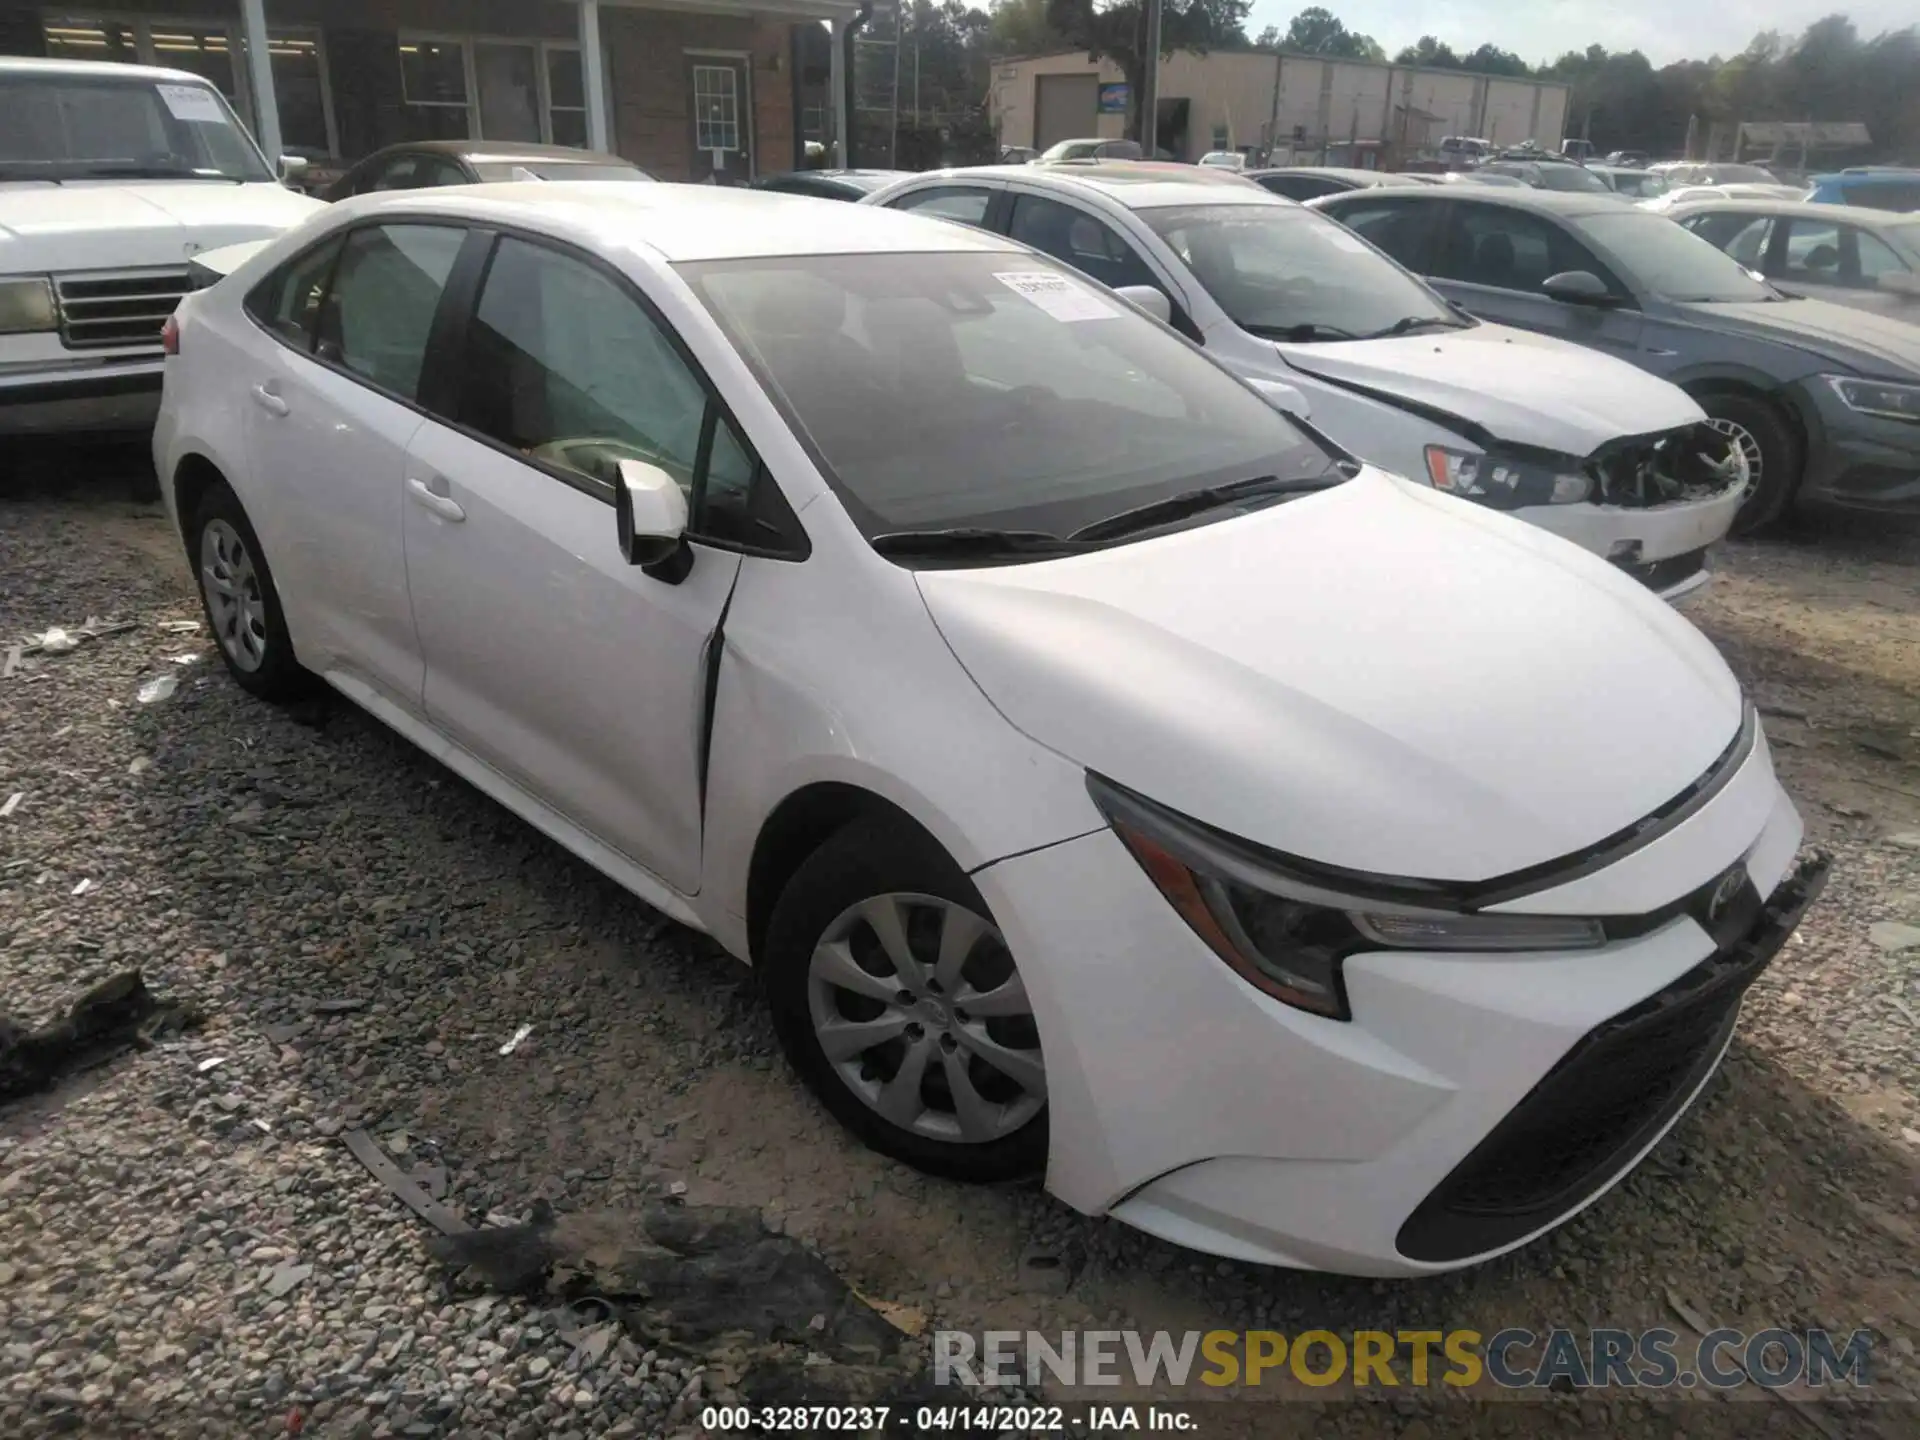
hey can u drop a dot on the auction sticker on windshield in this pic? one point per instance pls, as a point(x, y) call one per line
point(191, 102)
point(1057, 295)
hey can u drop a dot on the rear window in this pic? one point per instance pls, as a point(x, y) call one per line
point(1896, 195)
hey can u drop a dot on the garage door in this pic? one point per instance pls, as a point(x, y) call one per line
point(1064, 108)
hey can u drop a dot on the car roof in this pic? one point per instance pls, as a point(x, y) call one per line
point(1559, 202)
point(482, 152)
point(1135, 184)
point(1871, 175)
point(98, 70)
point(689, 222)
point(1343, 172)
point(1852, 214)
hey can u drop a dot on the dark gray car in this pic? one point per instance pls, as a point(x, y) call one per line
point(1825, 400)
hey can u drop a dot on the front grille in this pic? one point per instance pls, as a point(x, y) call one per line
point(1665, 574)
point(1695, 462)
point(1614, 1091)
point(102, 309)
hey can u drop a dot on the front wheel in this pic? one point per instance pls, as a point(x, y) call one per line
point(1767, 444)
point(897, 1000)
point(242, 605)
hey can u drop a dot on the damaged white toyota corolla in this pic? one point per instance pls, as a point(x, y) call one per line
point(1102, 775)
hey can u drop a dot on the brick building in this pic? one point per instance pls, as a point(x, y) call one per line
point(727, 89)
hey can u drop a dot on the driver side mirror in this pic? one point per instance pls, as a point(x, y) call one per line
point(293, 170)
point(1145, 297)
point(650, 517)
point(1577, 287)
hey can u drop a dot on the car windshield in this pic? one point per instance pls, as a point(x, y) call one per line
point(1292, 274)
point(959, 389)
point(555, 170)
point(1671, 262)
point(1572, 177)
point(63, 127)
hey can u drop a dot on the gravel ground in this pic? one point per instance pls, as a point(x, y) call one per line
point(187, 1248)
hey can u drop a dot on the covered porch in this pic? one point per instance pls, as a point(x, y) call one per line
point(705, 90)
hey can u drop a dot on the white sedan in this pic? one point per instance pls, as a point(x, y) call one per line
point(1103, 774)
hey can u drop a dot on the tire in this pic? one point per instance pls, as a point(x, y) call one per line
point(1771, 446)
point(966, 1118)
point(241, 604)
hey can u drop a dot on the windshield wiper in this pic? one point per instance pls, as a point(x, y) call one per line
point(972, 540)
point(1194, 502)
point(1407, 324)
point(1300, 334)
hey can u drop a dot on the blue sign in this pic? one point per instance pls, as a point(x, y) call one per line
point(1113, 99)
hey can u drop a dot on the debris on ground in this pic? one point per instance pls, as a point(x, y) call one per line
point(513, 1042)
point(158, 688)
point(117, 1015)
point(12, 803)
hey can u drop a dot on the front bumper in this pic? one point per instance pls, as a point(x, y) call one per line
point(1662, 546)
point(1860, 461)
point(1195, 1108)
point(120, 396)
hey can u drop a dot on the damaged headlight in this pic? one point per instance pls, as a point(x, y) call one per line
point(1288, 934)
point(1503, 483)
point(1877, 397)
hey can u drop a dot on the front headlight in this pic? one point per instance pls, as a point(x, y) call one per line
point(1502, 483)
point(26, 306)
point(1288, 933)
point(1884, 398)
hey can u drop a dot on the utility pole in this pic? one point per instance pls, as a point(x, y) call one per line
point(1150, 82)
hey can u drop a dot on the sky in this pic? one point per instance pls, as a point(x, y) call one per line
point(1665, 30)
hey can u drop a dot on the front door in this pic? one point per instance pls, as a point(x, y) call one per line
point(722, 119)
point(575, 674)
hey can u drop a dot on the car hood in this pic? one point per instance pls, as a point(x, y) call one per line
point(1507, 384)
point(1378, 677)
point(101, 225)
point(1854, 339)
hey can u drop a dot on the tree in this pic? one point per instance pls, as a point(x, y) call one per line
point(1316, 31)
point(1433, 53)
point(1269, 39)
point(1492, 60)
point(1118, 32)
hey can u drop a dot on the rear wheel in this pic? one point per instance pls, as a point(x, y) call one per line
point(242, 605)
point(897, 1000)
point(1768, 445)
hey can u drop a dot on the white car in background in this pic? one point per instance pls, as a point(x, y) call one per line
point(112, 179)
point(1579, 443)
point(1103, 774)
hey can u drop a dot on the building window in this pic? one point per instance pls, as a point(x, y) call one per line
point(566, 96)
point(716, 107)
point(434, 88)
point(300, 90)
point(488, 88)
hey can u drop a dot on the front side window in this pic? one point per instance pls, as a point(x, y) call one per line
point(962, 389)
point(1084, 241)
point(288, 302)
point(1659, 256)
point(1744, 237)
point(949, 202)
point(379, 314)
point(69, 127)
point(1290, 274)
point(1509, 249)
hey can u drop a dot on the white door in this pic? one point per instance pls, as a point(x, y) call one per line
point(578, 676)
point(329, 420)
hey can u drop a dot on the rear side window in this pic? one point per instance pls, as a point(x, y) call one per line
point(950, 202)
point(378, 317)
point(1744, 237)
point(1511, 250)
point(1398, 227)
point(1085, 242)
point(1302, 187)
point(287, 303)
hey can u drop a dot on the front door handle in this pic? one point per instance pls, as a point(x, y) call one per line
point(445, 506)
point(268, 401)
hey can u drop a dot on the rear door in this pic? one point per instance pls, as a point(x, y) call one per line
point(1836, 261)
point(1404, 228)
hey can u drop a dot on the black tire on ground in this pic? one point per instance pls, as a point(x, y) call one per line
point(871, 857)
point(1773, 443)
point(279, 677)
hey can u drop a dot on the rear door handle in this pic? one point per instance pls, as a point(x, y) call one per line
point(445, 506)
point(270, 402)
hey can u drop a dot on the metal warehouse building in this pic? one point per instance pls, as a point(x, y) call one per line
point(1309, 110)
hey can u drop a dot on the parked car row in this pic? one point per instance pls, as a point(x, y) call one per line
point(1006, 636)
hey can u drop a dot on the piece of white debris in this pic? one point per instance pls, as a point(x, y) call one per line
point(83, 887)
point(158, 688)
point(56, 642)
point(678, 1187)
point(12, 803)
point(518, 1036)
point(180, 627)
point(212, 1062)
point(140, 763)
point(263, 1127)
point(186, 659)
